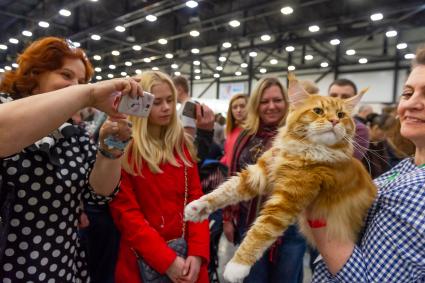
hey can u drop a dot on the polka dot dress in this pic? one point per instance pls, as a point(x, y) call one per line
point(42, 243)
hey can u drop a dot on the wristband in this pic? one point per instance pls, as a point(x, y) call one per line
point(318, 223)
point(109, 155)
point(112, 142)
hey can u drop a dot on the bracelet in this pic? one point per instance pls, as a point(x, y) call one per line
point(112, 142)
point(109, 155)
point(318, 223)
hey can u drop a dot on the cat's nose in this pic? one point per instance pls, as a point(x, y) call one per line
point(334, 121)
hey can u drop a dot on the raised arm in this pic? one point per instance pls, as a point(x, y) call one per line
point(24, 121)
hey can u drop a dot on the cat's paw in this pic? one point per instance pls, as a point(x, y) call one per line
point(236, 272)
point(197, 210)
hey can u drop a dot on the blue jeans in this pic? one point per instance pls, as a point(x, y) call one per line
point(216, 222)
point(287, 263)
point(101, 239)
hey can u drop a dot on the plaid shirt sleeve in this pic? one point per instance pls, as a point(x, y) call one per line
point(392, 248)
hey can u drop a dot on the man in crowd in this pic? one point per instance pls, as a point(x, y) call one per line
point(201, 128)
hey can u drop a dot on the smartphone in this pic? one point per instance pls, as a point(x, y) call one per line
point(95, 129)
point(189, 109)
point(139, 106)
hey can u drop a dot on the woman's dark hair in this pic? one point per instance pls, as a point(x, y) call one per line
point(384, 121)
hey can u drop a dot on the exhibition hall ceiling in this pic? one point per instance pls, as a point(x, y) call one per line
point(212, 39)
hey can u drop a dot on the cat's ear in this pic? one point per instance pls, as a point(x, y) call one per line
point(296, 92)
point(351, 102)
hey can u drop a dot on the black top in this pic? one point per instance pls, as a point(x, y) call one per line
point(49, 179)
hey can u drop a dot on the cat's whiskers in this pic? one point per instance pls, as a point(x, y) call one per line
point(377, 154)
point(362, 148)
point(363, 139)
point(359, 147)
point(355, 144)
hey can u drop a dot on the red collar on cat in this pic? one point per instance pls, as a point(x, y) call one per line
point(317, 223)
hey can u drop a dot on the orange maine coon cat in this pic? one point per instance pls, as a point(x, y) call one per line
point(310, 165)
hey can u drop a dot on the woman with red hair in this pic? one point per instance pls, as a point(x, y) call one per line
point(47, 164)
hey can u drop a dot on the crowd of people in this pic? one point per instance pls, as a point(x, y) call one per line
point(75, 208)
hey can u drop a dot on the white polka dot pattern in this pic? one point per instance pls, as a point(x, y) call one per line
point(42, 244)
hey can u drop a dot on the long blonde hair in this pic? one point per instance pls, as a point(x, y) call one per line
point(230, 120)
point(252, 122)
point(152, 150)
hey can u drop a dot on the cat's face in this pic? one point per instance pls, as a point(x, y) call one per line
point(321, 120)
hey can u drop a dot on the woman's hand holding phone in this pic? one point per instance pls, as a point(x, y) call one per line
point(103, 94)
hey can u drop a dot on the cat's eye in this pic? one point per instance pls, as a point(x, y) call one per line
point(318, 111)
point(340, 115)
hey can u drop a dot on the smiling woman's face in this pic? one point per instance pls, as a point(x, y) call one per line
point(72, 72)
point(272, 106)
point(411, 108)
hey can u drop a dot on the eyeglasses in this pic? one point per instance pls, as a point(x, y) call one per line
point(74, 48)
point(70, 44)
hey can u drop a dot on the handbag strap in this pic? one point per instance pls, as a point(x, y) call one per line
point(185, 199)
point(184, 205)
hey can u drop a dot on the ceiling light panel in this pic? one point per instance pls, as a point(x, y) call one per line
point(64, 12)
point(287, 10)
point(191, 4)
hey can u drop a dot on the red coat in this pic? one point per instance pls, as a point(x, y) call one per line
point(229, 144)
point(148, 211)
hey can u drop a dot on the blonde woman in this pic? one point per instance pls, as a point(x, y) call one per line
point(267, 110)
point(236, 114)
point(148, 210)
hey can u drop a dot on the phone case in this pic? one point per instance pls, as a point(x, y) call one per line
point(139, 106)
point(189, 109)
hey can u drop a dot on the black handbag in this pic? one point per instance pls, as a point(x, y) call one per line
point(179, 245)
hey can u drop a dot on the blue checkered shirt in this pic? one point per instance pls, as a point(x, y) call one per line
point(392, 248)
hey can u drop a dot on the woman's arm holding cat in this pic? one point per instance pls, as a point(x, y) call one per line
point(335, 252)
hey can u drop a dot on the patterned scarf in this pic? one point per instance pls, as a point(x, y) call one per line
point(257, 144)
point(65, 131)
